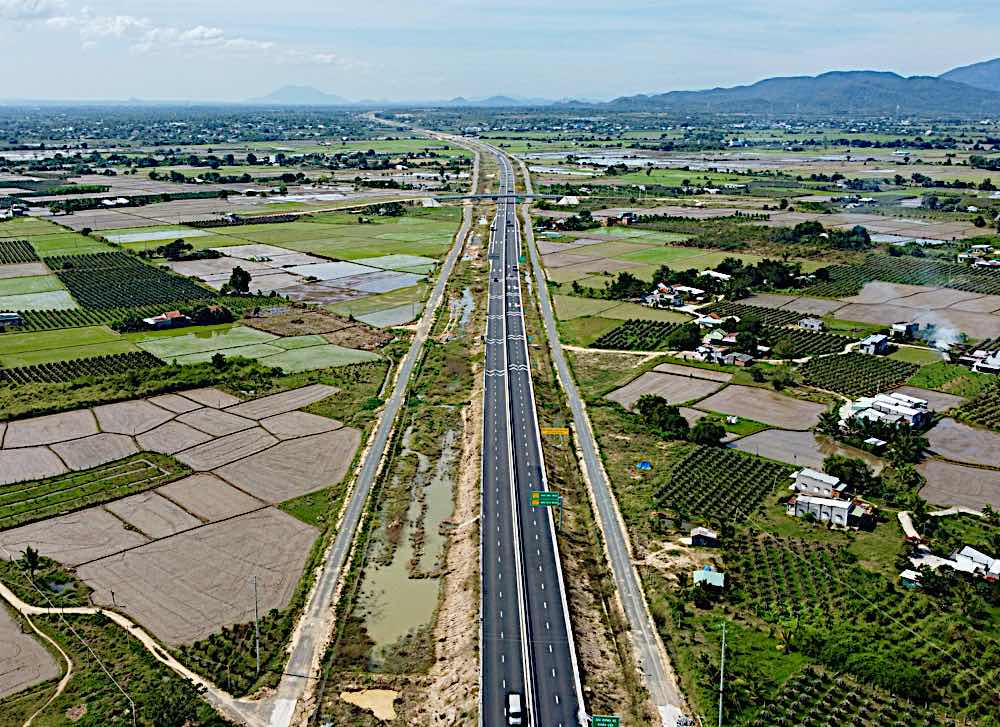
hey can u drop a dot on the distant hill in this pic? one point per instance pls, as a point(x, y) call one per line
point(299, 96)
point(836, 92)
point(981, 75)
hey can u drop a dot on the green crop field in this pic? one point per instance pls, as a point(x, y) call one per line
point(857, 374)
point(382, 301)
point(30, 284)
point(27, 502)
point(28, 349)
point(721, 485)
point(292, 354)
point(170, 347)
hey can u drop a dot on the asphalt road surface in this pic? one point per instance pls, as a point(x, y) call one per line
point(527, 643)
point(659, 677)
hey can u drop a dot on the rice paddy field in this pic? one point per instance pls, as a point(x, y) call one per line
point(292, 353)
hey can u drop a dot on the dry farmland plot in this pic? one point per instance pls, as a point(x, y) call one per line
point(709, 374)
point(952, 484)
point(75, 538)
point(215, 422)
point(962, 443)
point(171, 438)
point(937, 400)
point(153, 515)
point(28, 463)
point(36, 500)
point(211, 397)
point(675, 389)
point(130, 417)
point(207, 497)
point(295, 467)
point(24, 662)
point(765, 406)
point(209, 571)
point(802, 449)
point(222, 451)
point(268, 406)
point(93, 451)
point(51, 428)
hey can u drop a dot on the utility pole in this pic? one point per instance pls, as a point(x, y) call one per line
point(256, 625)
point(722, 671)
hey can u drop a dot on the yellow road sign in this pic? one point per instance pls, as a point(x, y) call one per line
point(555, 431)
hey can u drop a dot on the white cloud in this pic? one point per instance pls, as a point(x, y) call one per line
point(145, 37)
point(28, 10)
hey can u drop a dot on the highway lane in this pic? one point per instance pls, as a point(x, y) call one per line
point(550, 675)
point(656, 668)
point(502, 632)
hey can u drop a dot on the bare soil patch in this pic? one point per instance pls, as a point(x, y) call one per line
point(293, 424)
point(153, 515)
point(679, 370)
point(29, 463)
point(209, 498)
point(982, 304)
point(269, 406)
point(300, 322)
point(813, 306)
point(226, 449)
point(937, 400)
point(83, 454)
point(377, 701)
point(75, 538)
point(769, 300)
point(803, 449)
point(881, 292)
point(962, 443)
point(131, 417)
point(361, 336)
point(174, 402)
point(211, 397)
point(763, 405)
point(675, 389)
point(187, 586)
point(215, 422)
point(953, 484)
point(23, 270)
point(50, 429)
point(171, 437)
point(977, 325)
point(562, 259)
point(940, 298)
point(295, 467)
point(24, 662)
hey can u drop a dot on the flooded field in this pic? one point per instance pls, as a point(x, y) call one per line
point(399, 593)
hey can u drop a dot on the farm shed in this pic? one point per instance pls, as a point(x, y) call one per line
point(704, 537)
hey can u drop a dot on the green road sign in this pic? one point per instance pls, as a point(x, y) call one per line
point(521, 259)
point(545, 498)
point(599, 720)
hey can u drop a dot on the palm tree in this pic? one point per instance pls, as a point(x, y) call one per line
point(33, 560)
point(829, 422)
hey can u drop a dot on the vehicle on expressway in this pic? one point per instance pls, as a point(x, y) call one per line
point(514, 710)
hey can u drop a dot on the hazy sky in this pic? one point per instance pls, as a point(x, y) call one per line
point(411, 49)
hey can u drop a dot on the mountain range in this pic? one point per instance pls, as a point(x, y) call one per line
point(968, 91)
point(838, 92)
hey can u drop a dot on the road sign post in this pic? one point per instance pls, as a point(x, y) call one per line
point(547, 498)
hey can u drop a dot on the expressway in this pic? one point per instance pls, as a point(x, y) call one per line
point(527, 642)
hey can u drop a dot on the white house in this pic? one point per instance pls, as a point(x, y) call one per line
point(875, 345)
point(988, 365)
point(810, 482)
point(715, 274)
point(844, 513)
point(892, 408)
point(811, 324)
